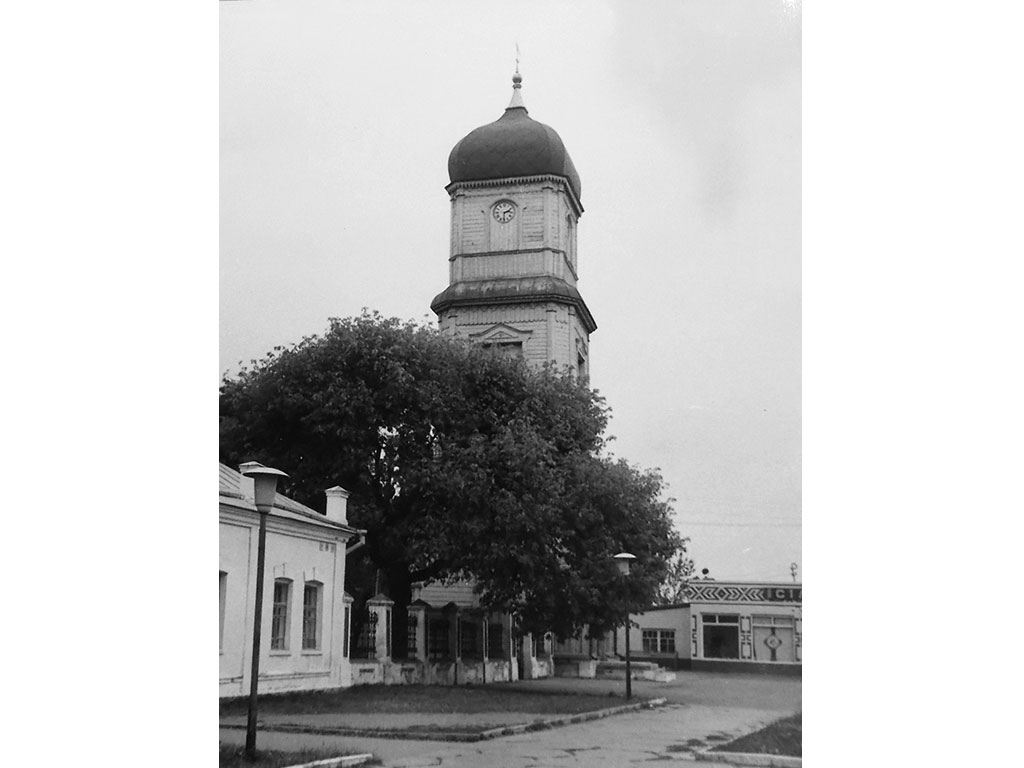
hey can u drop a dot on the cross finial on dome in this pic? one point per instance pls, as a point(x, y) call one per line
point(517, 83)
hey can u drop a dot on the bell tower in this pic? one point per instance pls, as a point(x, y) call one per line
point(515, 206)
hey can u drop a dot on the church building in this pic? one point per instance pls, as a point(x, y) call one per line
point(513, 269)
point(513, 272)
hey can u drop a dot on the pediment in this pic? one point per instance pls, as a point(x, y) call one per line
point(501, 334)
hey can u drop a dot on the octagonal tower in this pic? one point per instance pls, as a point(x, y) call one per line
point(515, 197)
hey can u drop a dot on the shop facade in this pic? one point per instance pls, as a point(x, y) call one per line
point(746, 626)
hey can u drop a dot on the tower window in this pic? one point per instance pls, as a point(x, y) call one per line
point(505, 348)
point(570, 245)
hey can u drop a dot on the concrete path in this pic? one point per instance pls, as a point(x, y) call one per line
point(704, 709)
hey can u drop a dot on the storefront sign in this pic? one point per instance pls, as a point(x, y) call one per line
point(782, 594)
point(724, 592)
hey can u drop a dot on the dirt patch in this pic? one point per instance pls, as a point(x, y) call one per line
point(233, 756)
point(783, 737)
point(682, 747)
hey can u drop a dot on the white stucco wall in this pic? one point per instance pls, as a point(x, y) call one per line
point(302, 552)
point(675, 619)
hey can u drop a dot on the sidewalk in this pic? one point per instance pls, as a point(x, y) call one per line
point(674, 732)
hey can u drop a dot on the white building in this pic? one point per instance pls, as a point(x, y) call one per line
point(739, 626)
point(743, 625)
point(306, 613)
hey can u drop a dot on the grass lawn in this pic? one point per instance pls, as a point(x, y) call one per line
point(782, 737)
point(233, 756)
point(395, 699)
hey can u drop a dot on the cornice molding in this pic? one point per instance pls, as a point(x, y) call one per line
point(308, 529)
point(560, 251)
point(512, 252)
point(453, 188)
point(534, 298)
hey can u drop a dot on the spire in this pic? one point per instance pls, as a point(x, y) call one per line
point(517, 84)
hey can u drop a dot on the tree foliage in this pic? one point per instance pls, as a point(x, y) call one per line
point(460, 464)
point(677, 578)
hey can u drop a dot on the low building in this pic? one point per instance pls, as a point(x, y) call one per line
point(306, 613)
point(724, 626)
point(659, 635)
point(743, 625)
point(460, 642)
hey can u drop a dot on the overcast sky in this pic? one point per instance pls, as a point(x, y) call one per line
point(683, 120)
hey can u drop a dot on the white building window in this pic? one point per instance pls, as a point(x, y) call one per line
point(348, 625)
point(223, 602)
point(659, 640)
point(279, 620)
point(312, 612)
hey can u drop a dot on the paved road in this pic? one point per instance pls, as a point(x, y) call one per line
point(703, 709)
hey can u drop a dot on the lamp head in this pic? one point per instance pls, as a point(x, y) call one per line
point(264, 483)
point(623, 560)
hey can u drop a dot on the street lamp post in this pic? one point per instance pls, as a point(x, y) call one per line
point(265, 484)
point(623, 560)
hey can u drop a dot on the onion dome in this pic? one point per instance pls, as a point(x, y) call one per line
point(513, 145)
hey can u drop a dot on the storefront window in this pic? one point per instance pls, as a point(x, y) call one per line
point(721, 635)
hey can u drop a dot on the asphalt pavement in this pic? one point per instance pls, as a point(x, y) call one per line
point(703, 709)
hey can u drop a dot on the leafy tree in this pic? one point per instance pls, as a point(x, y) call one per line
point(680, 569)
point(461, 464)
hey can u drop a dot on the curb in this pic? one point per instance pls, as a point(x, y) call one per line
point(336, 762)
point(749, 758)
point(568, 719)
point(491, 733)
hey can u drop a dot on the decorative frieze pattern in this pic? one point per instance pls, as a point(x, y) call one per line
point(710, 592)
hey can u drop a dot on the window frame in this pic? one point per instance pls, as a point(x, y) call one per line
point(317, 588)
point(470, 640)
point(660, 638)
point(495, 629)
point(720, 621)
point(508, 349)
point(438, 628)
point(223, 588)
point(279, 643)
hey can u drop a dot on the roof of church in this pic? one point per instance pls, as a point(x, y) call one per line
point(513, 145)
point(502, 290)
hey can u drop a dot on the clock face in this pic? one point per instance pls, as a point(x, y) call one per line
point(504, 212)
